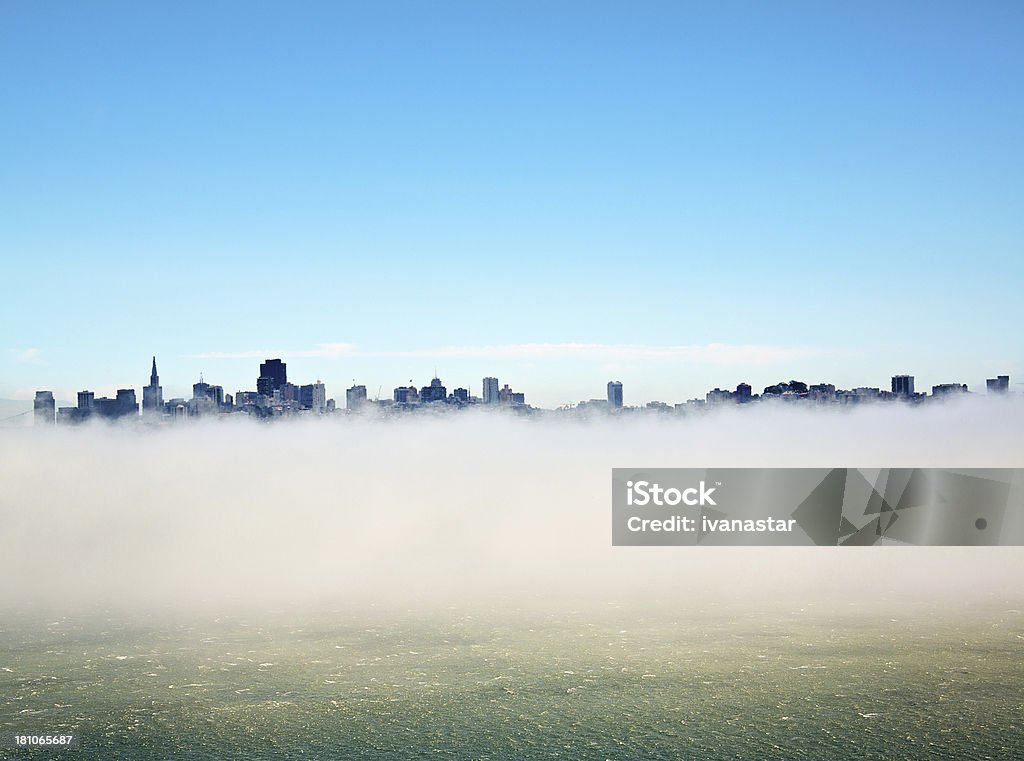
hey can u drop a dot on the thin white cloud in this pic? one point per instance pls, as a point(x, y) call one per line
point(715, 353)
point(330, 350)
point(26, 356)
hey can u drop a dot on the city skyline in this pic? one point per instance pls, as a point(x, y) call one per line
point(677, 194)
point(276, 395)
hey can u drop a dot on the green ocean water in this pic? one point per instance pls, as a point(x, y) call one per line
point(612, 681)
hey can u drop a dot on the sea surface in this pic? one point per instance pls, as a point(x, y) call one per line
point(602, 681)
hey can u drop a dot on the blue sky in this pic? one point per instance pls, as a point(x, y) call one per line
point(677, 195)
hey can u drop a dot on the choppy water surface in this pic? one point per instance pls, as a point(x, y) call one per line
point(605, 682)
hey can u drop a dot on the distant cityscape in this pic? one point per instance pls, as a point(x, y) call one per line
point(276, 396)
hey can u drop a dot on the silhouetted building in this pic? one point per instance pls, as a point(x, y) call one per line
point(460, 395)
point(85, 401)
point(742, 393)
point(903, 385)
point(507, 396)
point(313, 396)
point(716, 396)
point(355, 397)
point(406, 395)
point(287, 393)
point(44, 409)
point(153, 394)
point(944, 389)
point(998, 385)
point(273, 375)
point(490, 391)
point(435, 392)
point(615, 394)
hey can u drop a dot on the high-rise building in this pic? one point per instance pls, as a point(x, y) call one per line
point(490, 395)
point(406, 395)
point(313, 396)
point(126, 403)
point(44, 409)
point(273, 375)
point(355, 397)
point(153, 394)
point(615, 394)
point(998, 385)
point(742, 393)
point(507, 396)
point(86, 400)
point(435, 392)
point(903, 385)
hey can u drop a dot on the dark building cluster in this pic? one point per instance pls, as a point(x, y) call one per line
point(275, 396)
point(901, 388)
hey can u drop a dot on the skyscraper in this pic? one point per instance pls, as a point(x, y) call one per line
point(490, 390)
point(435, 392)
point(903, 385)
point(44, 409)
point(355, 397)
point(273, 375)
point(615, 394)
point(998, 385)
point(153, 395)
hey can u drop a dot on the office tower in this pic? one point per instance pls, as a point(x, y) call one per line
point(435, 392)
point(490, 395)
point(944, 389)
point(615, 394)
point(461, 395)
point(406, 395)
point(44, 409)
point(742, 393)
point(153, 394)
point(273, 375)
point(125, 403)
point(998, 385)
point(903, 385)
point(507, 396)
point(355, 397)
point(86, 400)
point(288, 393)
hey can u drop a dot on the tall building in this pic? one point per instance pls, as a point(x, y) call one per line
point(507, 396)
point(742, 393)
point(998, 385)
point(355, 397)
point(406, 395)
point(153, 395)
point(313, 396)
point(490, 391)
point(615, 394)
point(86, 399)
point(435, 392)
point(903, 385)
point(273, 375)
point(44, 409)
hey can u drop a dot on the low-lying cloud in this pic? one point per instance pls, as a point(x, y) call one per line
point(452, 507)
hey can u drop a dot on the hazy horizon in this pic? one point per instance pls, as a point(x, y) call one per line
point(465, 506)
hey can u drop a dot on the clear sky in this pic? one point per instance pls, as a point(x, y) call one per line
point(675, 195)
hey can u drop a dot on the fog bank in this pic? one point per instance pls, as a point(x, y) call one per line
point(463, 506)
